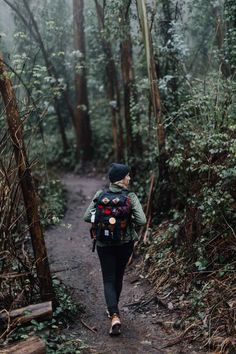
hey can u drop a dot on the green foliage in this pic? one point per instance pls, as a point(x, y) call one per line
point(53, 205)
point(203, 166)
point(192, 248)
point(67, 309)
point(49, 148)
point(202, 177)
point(101, 126)
point(230, 37)
point(116, 20)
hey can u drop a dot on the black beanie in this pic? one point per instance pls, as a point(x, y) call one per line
point(117, 172)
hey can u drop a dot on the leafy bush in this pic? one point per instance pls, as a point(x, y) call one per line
point(53, 205)
point(192, 251)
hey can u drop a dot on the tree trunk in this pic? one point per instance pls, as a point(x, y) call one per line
point(84, 144)
point(112, 87)
point(127, 76)
point(163, 199)
point(26, 314)
point(155, 95)
point(27, 186)
point(133, 141)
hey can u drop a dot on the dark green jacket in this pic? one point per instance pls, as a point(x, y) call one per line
point(138, 217)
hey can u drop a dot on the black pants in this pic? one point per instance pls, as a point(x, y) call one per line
point(113, 260)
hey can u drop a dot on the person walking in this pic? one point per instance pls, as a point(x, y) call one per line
point(114, 213)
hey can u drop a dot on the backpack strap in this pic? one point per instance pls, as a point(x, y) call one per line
point(122, 191)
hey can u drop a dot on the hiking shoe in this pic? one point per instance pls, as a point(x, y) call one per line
point(115, 325)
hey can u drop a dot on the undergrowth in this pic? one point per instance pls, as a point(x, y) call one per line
point(53, 201)
point(191, 252)
point(53, 331)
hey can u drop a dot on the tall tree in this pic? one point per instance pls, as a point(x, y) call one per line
point(27, 186)
point(152, 75)
point(133, 140)
point(163, 199)
point(112, 87)
point(82, 120)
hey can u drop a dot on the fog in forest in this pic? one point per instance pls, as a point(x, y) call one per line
point(149, 85)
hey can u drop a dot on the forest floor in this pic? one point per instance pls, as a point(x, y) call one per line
point(70, 250)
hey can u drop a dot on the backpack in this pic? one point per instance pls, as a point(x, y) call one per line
point(111, 216)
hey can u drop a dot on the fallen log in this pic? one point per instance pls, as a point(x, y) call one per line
point(28, 313)
point(32, 345)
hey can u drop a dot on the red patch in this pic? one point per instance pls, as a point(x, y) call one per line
point(100, 207)
point(107, 211)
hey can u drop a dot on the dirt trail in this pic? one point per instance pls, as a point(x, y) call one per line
point(69, 247)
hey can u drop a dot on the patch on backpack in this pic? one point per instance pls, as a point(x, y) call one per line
point(105, 201)
point(115, 201)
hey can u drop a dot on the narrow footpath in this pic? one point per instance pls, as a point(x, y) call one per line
point(70, 250)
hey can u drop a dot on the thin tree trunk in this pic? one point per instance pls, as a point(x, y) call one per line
point(127, 76)
point(84, 145)
point(163, 200)
point(133, 141)
point(27, 186)
point(112, 87)
point(155, 95)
